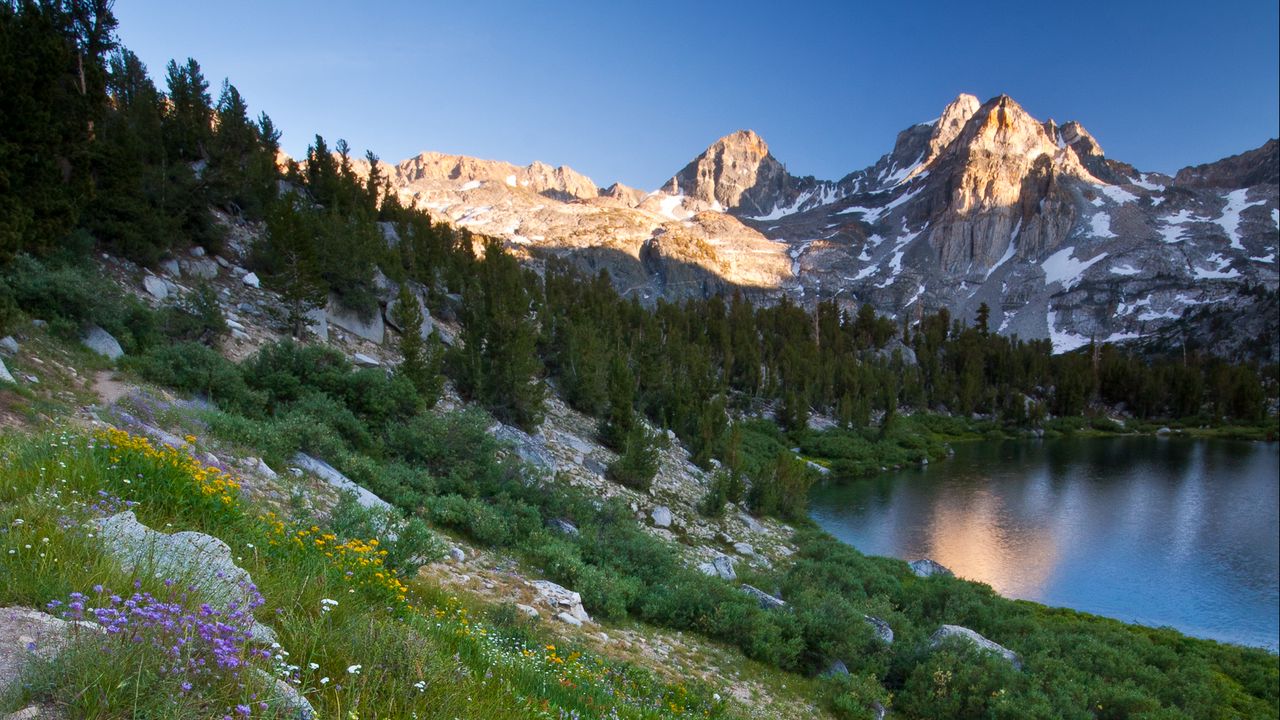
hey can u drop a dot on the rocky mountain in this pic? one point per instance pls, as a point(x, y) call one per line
point(985, 204)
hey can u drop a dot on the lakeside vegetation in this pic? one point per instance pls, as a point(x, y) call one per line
point(102, 160)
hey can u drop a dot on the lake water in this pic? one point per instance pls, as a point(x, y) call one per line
point(1157, 531)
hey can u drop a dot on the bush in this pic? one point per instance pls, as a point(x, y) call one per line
point(195, 368)
point(195, 317)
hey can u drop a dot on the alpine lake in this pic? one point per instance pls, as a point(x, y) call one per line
point(1161, 531)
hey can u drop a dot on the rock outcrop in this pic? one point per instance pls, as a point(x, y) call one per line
point(562, 601)
point(191, 558)
point(103, 343)
point(955, 631)
point(925, 567)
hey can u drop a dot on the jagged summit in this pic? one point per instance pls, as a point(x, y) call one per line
point(735, 172)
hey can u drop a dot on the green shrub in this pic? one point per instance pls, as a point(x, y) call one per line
point(195, 368)
point(194, 317)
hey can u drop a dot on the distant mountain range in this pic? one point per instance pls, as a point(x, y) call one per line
point(985, 204)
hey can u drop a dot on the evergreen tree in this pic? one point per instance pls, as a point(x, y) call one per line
point(497, 363)
point(422, 356)
point(620, 418)
point(287, 259)
point(638, 463)
point(189, 126)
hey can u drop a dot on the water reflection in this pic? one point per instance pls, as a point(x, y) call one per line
point(1151, 530)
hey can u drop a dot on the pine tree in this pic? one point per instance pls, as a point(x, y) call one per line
point(620, 418)
point(189, 123)
point(497, 362)
point(422, 356)
point(287, 259)
point(638, 463)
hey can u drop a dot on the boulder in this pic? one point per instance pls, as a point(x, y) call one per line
point(251, 280)
point(35, 712)
point(457, 554)
point(563, 527)
point(370, 328)
point(5, 375)
point(882, 629)
point(365, 361)
point(529, 611)
point(767, 601)
point(389, 234)
point(8, 345)
point(260, 466)
point(202, 268)
point(925, 567)
point(192, 558)
point(744, 549)
point(834, 668)
point(530, 449)
point(955, 631)
point(897, 346)
point(102, 342)
point(318, 323)
point(721, 566)
point(661, 516)
point(27, 634)
point(171, 268)
point(287, 697)
point(568, 618)
point(752, 524)
point(390, 315)
point(197, 251)
point(155, 287)
point(561, 600)
point(327, 473)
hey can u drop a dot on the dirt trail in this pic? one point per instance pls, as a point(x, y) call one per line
point(108, 388)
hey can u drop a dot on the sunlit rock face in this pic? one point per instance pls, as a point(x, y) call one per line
point(984, 204)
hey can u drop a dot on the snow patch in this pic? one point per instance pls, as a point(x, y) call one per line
point(511, 180)
point(1222, 271)
point(1063, 341)
point(1171, 233)
point(1061, 267)
point(1125, 269)
point(472, 185)
point(1117, 194)
point(895, 264)
point(1146, 184)
point(1116, 337)
point(1100, 225)
point(783, 211)
point(668, 205)
point(1230, 220)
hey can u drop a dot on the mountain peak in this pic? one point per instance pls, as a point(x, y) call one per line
point(736, 171)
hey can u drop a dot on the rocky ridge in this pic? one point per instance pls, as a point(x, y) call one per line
point(985, 204)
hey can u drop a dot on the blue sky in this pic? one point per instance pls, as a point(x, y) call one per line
point(631, 91)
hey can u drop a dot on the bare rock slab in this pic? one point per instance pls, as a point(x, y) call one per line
point(925, 567)
point(28, 635)
point(327, 473)
point(955, 631)
point(192, 558)
point(561, 600)
point(102, 342)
